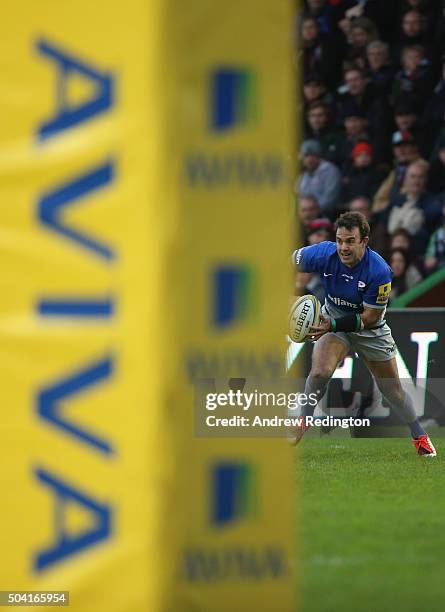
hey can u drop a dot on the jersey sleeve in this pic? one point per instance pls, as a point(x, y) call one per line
point(377, 293)
point(312, 258)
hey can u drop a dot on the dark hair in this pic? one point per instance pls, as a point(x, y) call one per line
point(349, 220)
point(365, 24)
point(354, 68)
point(310, 18)
point(401, 231)
point(405, 254)
point(418, 48)
point(413, 9)
point(317, 104)
point(399, 282)
point(405, 108)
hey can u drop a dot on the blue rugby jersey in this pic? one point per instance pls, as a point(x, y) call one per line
point(368, 283)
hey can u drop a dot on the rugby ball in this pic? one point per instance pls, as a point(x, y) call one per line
point(305, 312)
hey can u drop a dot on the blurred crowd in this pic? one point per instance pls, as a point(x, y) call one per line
point(374, 128)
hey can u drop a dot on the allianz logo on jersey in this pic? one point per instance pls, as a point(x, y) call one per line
point(233, 108)
point(233, 493)
point(341, 302)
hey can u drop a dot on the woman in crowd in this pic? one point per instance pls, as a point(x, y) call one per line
point(406, 273)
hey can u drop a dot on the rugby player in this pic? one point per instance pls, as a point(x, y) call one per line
point(357, 282)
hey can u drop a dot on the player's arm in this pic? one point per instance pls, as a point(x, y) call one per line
point(370, 317)
point(298, 260)
point(312, 258)
point(375, 300)
point(349, 323)
point(304, 262)
point(353, 322)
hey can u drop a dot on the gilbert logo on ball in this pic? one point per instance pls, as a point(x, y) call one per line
point(305, 313)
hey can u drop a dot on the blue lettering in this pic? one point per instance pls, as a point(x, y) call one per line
point(50, 399)
point(75, 308)
point(67, 545)
point(51, 205)
point(53, 397)
point(67, 117)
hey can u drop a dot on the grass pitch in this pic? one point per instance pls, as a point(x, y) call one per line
point(372, 525)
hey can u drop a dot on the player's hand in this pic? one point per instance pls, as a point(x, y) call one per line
point(317, 332)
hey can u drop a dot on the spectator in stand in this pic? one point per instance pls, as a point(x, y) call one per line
point(429, 10)
point(436, 175)
point(312, 46)
point(405, 151)
point(407, 120)
point(414, 209)
point(315, 90)
point(433, 114)
point(435, 253)
point(405, 273)
point(355, 130)
point(401, 239)
point(362, 31)
point(362, 100)
point(320, 230)
point(319, 54)
point(382, 13)
point(308, 210)
point(320, 129)
point(412, 33)
point(361, 204)
point(351, 122)
point(326, 13)
point(378, 239)
point(414, 83)
point(363, 178)
point(380, 71)
point(320, 178)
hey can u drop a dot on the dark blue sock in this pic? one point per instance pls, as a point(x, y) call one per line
point(416, 429)
point(407, 413)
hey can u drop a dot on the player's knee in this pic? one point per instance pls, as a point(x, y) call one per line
point(321, 374)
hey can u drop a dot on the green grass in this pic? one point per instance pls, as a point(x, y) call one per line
point(372, 525)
